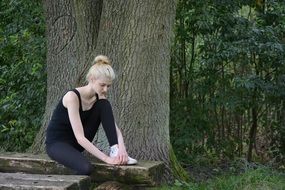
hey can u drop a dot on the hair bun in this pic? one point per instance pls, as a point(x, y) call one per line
point(102, 59)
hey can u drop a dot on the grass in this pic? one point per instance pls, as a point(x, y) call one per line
point(252, 179)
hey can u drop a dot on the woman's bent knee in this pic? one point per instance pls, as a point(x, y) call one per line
point(103, 103)
point(86, 169)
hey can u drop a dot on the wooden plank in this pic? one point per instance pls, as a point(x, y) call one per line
point(15, 181)
point(145, 173)
point(30, 163)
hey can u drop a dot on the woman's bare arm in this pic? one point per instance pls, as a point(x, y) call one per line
point(71, 102)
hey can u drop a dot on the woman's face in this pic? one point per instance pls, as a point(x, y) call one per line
point(101, 86)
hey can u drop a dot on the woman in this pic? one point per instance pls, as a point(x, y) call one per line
point(76, 119)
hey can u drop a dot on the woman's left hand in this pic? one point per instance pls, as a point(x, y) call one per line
point(122, 155)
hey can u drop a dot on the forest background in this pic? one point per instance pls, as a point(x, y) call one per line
point(227, 79)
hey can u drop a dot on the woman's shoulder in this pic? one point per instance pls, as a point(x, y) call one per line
point(70, 98)
point(71, 94)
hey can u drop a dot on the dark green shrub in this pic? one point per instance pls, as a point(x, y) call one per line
point(23, 74)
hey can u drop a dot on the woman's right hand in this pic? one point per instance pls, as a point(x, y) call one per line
point(112, 161)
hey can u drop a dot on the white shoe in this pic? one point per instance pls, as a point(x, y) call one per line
point(114, 153)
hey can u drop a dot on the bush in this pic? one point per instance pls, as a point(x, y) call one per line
point(23, 73)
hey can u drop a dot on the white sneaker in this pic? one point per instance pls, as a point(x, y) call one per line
point(114, 153)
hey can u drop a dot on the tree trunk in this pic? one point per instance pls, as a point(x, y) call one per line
point(252, 132)
point(282, 127)
point(136, 35)
point(72, 30)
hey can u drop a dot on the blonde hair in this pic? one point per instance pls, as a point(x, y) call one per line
point(100, 68)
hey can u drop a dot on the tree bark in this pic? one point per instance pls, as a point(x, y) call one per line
point(136, 35)
point(253, 129)
point(282, 127)
point(72, 31)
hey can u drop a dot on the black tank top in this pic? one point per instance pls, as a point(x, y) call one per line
point(59, 128)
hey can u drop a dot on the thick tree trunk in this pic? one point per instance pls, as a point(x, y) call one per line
point(72, 30)
point(136, 35)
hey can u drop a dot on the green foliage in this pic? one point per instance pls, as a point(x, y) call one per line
point(260, 178)
point(252, 179)
point(227, 61)
point(23, 75)
point(178, 171)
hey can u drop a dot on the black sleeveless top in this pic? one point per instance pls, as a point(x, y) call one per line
point(59, 128)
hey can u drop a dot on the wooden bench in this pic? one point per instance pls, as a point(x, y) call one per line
point(145, 173)
point(40, 181)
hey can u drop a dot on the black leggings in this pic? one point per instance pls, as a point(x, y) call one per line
point(69, 155)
